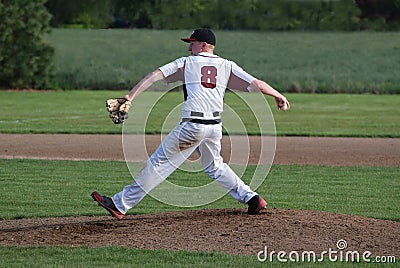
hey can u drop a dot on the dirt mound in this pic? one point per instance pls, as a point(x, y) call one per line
point(226, 230)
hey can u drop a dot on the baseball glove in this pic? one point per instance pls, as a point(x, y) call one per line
point(118, 109)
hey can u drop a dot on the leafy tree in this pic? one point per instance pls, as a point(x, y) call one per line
point(306, 15)
point(379, 14)
point(180, 14)
point(341, 15)
point(233, 14)
point(133, 13)
point(86, 14)
point(228, 14)
point(25, 58)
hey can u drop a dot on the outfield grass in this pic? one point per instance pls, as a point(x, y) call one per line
point(44, 188)
point(311, 114)
point(353, 62)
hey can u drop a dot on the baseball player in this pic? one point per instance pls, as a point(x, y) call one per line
point(206, 77)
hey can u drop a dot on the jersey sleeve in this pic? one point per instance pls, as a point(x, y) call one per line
point(240, 79)
point(173, 71)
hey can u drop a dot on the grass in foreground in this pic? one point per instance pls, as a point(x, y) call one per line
point(43, 188)
point(128, 257)
point(311, 114)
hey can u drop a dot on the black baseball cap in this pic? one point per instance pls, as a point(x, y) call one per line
point(202, 35)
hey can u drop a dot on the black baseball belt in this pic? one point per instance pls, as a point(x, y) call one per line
point(202, 121)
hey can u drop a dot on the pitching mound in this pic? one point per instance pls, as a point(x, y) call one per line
point(226, 230)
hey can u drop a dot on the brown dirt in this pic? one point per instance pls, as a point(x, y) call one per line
point(289, 150)
point(226, 230)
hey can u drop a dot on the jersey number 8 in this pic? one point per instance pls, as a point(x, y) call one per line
point(209, 76)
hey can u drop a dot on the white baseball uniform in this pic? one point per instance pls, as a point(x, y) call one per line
point(206, 77)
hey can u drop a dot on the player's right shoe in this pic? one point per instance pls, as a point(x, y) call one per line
point(256, 204)
point(108, 204)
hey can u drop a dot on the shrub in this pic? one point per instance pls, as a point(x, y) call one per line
point(25, 57)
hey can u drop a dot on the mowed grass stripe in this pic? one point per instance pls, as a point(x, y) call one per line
point(84, 112)
point(44, 188)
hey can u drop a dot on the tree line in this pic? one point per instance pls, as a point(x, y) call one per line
point(343, 15)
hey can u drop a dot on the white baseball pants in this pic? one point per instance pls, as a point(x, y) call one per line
point(179, 144)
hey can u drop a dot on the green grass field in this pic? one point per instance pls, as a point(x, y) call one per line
point(44, 188)
point(129, 257)
point(352, 62)
point(311, 114)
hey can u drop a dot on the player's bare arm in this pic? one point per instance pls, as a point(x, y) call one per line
point(268, 90)
point(144, 84)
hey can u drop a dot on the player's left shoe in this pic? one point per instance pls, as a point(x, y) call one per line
point(256, 204)
point(108, 204)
